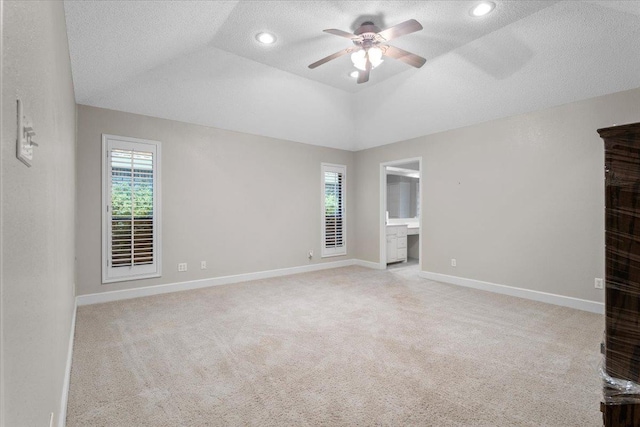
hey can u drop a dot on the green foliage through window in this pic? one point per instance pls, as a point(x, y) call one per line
point(122, 203)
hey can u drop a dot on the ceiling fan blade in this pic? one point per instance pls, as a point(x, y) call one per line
point(363, 76)
point(406, 27)
point(404, 56)
point(341, 33)
point(330, 57)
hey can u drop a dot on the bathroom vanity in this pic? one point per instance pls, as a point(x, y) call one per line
point(397, 243)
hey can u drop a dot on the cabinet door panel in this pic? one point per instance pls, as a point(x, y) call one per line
point(392, 248)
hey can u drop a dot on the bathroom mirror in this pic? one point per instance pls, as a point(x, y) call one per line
point(403, 196)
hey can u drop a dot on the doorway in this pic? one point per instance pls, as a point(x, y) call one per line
point(400, 214)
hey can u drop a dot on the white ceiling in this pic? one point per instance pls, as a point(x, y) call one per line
point(198, 62)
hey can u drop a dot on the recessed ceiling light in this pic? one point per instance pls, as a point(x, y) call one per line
point(354, 74)
point(483, 8)
point(265, 38)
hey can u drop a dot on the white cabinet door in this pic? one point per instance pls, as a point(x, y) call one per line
point(392, 248)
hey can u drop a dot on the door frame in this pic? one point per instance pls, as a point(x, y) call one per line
point(382, 264)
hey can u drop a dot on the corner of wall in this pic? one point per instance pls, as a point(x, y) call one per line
point(2, 382)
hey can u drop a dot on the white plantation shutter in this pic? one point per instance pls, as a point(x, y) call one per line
point(131, 238)
point(334, 238)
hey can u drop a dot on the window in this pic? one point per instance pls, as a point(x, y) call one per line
point(131, 209)
point(334, 227)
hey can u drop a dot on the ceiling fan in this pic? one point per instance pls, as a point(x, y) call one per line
point(370, 47)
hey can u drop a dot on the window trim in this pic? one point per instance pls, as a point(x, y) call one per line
point(324, 251)
point(106, 201)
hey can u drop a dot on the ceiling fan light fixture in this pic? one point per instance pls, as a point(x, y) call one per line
point(354, 74)
point(359, 58)
point(482, 9)
point(375, 56)
point(266, 38)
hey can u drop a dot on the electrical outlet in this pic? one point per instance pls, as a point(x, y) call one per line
point(203, 265)
point(182, 266)
point(453, 262)
point(599, 284)
point(310, 254)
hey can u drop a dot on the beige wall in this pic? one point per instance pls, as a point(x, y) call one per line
point(517, 201)
point(38, 208)
point(240, 202)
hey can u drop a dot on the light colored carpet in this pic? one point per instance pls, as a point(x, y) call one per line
point(350, 346)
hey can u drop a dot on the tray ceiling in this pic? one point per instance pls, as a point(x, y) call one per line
point(187, 60)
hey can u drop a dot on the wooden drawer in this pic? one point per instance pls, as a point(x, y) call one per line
point(402, 254)
point(392, 231)
point(402, 231)
point(402, 242)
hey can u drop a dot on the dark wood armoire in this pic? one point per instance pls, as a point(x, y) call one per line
point(621, 373)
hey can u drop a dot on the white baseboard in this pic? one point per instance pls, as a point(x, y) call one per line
point(205, 283)
point(577, 303)
point(368, 264)
point(62, 418)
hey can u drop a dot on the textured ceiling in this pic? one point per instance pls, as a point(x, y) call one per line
point(301, 41)
point(132, 36)
point(199, 62)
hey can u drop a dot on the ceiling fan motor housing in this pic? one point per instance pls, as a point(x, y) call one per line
point(366, 28)
point(366, 35)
